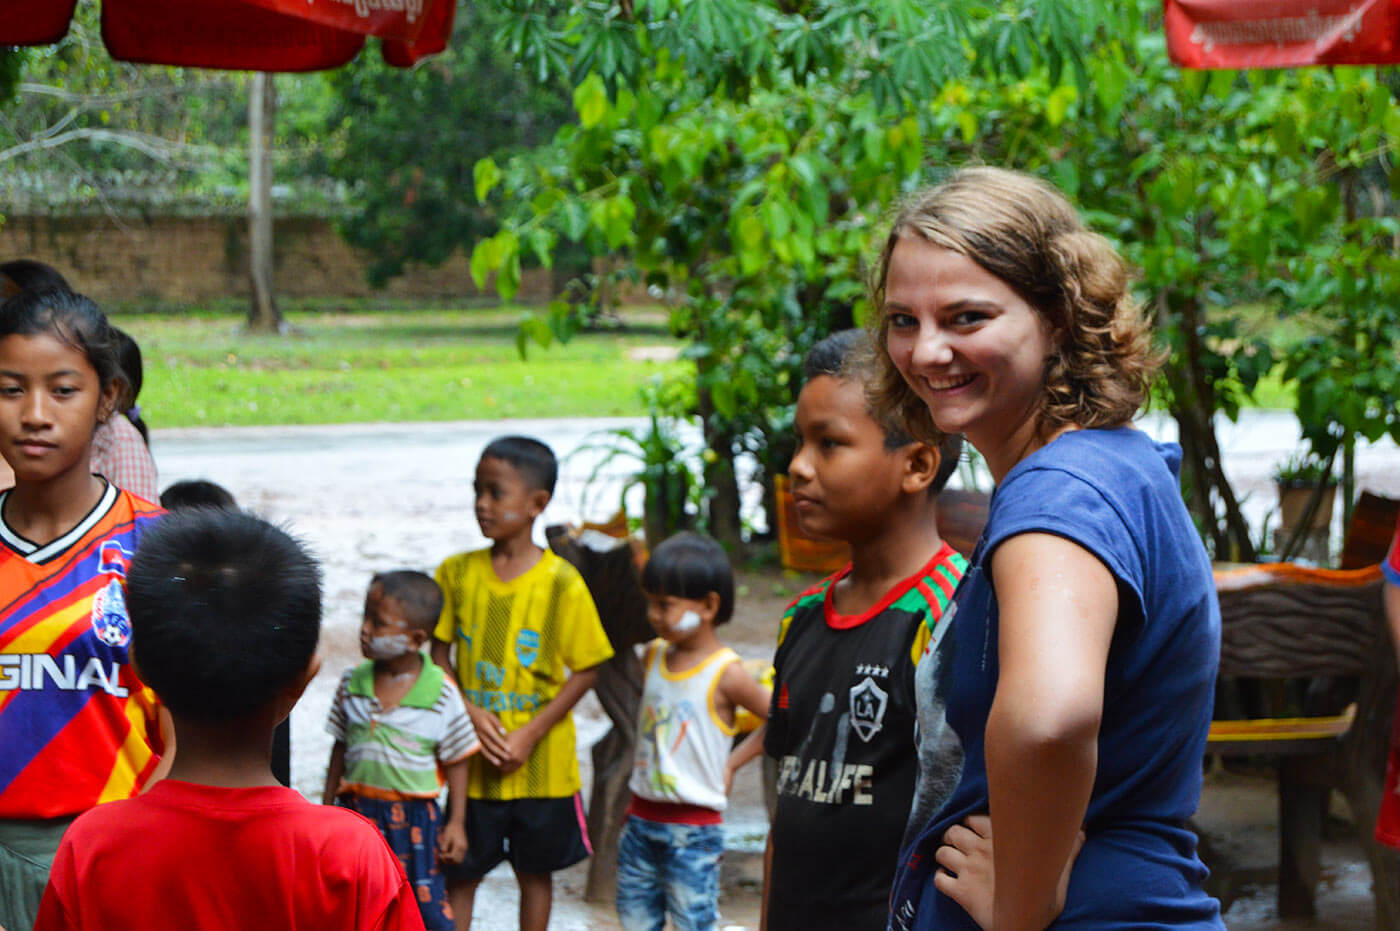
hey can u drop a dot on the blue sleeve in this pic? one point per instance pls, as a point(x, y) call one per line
point(1062, 503)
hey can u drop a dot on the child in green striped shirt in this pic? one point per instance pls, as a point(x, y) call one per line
point(399, 727)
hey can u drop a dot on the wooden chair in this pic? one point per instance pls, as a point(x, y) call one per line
point(1284, 622)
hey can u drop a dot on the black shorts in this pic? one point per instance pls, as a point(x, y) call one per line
point(537, 835)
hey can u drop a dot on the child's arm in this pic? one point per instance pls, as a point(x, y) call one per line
point(489, 729)
point(335, 770)
point(741, 690)
point(749, 748)
point(520, 743)
point(452, 839)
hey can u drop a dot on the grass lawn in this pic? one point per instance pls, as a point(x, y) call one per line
point(202, 369)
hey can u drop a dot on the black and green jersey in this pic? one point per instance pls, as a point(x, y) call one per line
point(841, 728)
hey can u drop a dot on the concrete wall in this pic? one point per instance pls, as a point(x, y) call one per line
point(190, 259)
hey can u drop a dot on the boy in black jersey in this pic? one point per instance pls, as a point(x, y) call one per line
point(841, 727)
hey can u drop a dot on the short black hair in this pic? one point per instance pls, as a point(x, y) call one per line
point(691, 565)
point(532, 459)
point(196, 493)
point(850, 355)
point(416, 593)
point(70, 318)
point(225, 612)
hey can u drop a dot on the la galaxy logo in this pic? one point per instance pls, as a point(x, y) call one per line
point(527, 646)
point(868, 703)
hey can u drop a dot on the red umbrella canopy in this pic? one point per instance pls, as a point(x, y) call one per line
point(1282, 33)
point(249, 35)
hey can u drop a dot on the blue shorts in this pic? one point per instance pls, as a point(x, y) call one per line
point(411, 828)
point(668, 868)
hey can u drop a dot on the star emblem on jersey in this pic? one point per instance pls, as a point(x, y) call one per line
point(868, 703)
point(872, 669)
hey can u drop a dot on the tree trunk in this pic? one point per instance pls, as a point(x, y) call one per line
point(1202, 466)
point(721, 483)
point(263, 315)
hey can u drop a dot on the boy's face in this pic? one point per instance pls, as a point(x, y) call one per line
point(506, 505)
point(843, 478)
point(386, 632)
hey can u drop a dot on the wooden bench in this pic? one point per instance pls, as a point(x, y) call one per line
point(1282, 622)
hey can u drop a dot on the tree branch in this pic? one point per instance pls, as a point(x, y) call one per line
point(161, 150)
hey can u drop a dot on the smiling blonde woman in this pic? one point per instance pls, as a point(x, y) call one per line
point(1077, 683)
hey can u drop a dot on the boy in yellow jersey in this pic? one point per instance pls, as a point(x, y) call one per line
point(527, 643)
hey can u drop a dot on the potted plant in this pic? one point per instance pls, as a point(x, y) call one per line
point(665, 474)
point(1307, 490)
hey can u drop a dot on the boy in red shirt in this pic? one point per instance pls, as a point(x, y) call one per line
point(225, 614)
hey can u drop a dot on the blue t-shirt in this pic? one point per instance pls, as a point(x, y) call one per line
point(1115, 493)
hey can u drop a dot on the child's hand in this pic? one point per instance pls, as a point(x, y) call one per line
point(965, 872)
point(452, 842)
point(490, 732)
point(519, 746)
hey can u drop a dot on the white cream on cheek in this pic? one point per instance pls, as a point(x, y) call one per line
point(686, 623)
point(390, 647)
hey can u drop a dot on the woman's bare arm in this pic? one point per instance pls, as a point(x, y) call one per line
point(1058, 605)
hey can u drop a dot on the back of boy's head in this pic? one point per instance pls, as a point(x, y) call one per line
point(225, 612)
point(416, 593)
point(691, 565)
point(532, 459)
point(196, 493)
point(849, 355)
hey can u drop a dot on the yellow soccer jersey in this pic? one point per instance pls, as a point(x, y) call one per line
point(515, 641)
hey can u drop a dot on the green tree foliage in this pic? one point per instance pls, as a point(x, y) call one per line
point(405, 142)
point(734, 157)
point(737, 158)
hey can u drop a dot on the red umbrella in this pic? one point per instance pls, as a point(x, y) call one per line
point(251, 35)
point(1282, 33)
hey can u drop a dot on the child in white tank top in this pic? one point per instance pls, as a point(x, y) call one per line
point(668, 856)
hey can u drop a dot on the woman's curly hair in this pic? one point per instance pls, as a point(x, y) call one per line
point(1027, 234)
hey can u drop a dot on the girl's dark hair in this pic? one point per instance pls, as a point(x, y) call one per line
point(28, 275)
point(69, 317)
point(129, 358)
point(691, 565)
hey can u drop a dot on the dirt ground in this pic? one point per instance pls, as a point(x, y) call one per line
point(373, 497)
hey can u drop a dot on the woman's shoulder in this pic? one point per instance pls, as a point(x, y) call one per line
point(1121, 455)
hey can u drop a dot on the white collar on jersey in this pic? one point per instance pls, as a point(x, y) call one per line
point(38, 554)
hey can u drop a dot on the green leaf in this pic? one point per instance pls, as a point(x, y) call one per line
point(486, 176)
point(967, 123)
point(591, 101)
